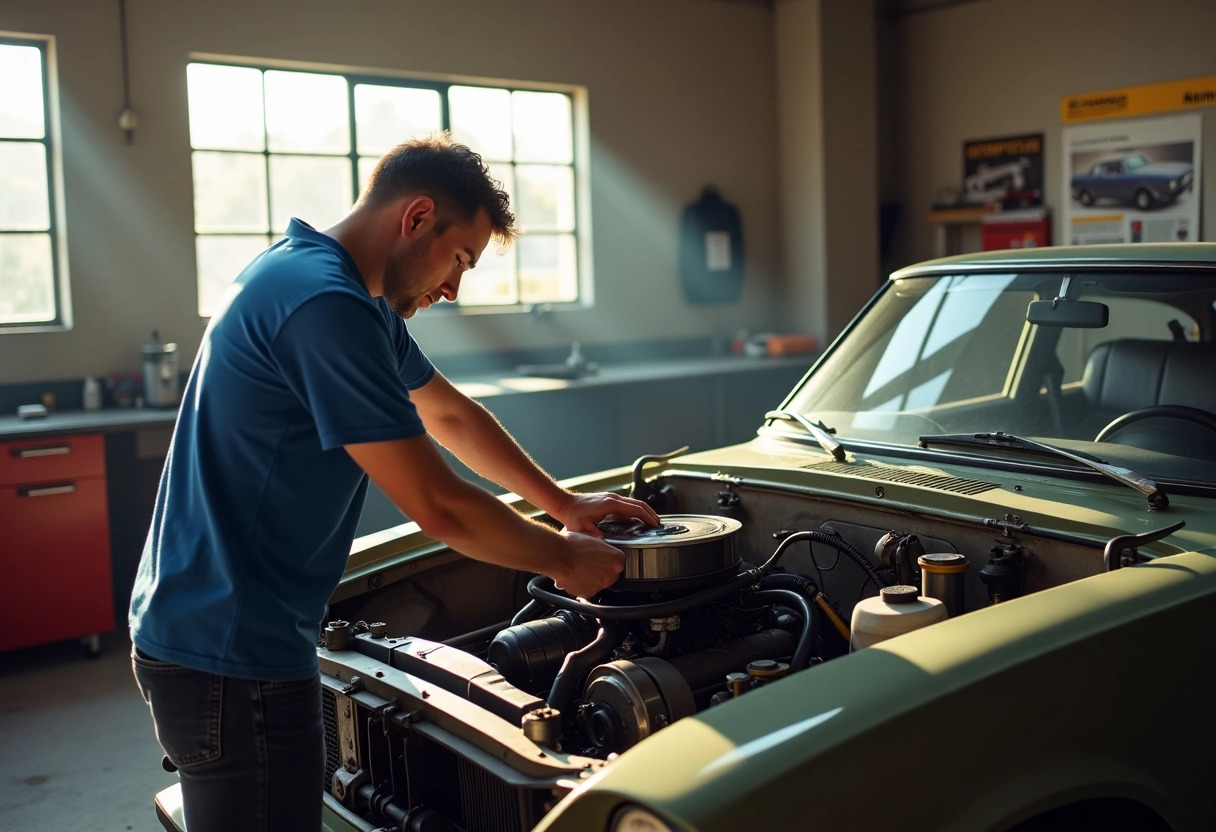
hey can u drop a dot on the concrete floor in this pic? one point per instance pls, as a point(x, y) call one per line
point(77, 749)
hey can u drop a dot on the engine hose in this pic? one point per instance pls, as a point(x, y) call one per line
point(577, 664)
point(542, 588)
point(804, 585)
point(531, 610)
point(810, 620)
point(837, 543)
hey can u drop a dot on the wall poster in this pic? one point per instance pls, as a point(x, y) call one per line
point(1008, 170)
point(1133, 181)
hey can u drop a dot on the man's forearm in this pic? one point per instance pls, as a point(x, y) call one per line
point(480, 441)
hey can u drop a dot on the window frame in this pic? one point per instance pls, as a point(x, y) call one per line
point(579, 127)
point(52, 147)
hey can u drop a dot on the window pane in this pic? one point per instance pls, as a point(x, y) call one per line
point(504, 173)
point(547, 268)
point(544, 197)
point(481, 118)
point(225, 107)
point(27, 278)
point(493, 281)
point(24, 197)
point(21, 105)
point(315, 189)
point(220, 259)
point(229, 192)
point(367, 164)
point(542, 127)
point(387, 116)
point(307, 112)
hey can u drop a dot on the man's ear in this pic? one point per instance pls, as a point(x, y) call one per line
point(419, 215)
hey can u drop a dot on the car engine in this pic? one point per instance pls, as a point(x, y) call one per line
point(438, 721)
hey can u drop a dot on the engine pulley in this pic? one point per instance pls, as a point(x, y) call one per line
point(627, 701)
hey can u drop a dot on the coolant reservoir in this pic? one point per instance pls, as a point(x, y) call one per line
point(894, 611)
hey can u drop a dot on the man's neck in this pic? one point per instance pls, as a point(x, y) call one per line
point(362, 233)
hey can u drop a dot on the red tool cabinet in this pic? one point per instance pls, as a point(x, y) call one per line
point(55, 577)
point(1015, 229)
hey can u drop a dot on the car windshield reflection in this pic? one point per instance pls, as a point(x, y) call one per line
point(955, 353)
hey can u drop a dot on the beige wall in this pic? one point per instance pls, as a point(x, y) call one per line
point(1001, 67)
point(827, 134)
point(804, 115)
point(680, 93)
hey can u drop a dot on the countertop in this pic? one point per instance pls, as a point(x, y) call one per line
point(478, 386)
point(86, 421)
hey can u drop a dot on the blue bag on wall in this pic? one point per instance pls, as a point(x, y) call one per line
point(711, 250)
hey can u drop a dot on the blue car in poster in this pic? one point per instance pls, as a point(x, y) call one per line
point(1133, 178)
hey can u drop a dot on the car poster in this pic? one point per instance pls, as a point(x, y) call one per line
point(1134, 181)
point(1008, 169)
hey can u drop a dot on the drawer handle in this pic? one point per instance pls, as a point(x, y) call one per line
point(47, 490)
point(47, 450)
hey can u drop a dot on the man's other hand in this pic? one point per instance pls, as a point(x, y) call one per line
point(584, 511)
point(592, 565)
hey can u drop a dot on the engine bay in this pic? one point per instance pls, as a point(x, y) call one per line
point(464, 682)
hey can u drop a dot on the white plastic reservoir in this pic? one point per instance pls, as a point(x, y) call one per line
point(894, 611)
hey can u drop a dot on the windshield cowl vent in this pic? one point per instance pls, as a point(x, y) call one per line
point(923, 479)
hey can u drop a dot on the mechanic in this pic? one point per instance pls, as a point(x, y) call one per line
point(306, 383)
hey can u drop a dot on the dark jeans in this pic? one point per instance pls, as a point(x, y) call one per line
point(250, 755)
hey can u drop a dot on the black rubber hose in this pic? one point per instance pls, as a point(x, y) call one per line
point(837, 543)
point(531, 610)
point(788, 580)
point(810, 619)
point(577, 664)
point(543, 589)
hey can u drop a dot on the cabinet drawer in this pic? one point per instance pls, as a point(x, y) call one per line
point(52, 458)
point(56, 579)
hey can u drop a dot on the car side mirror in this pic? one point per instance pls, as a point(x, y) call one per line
point(1074, 314)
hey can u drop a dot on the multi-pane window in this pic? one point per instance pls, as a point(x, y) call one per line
point(29, 250)
point(270, 144)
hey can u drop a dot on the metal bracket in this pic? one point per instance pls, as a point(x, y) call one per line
point(1122, 550)
point(641, 489)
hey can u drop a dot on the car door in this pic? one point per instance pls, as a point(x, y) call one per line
point(1111, 181)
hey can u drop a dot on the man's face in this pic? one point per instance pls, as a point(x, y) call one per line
point(428, 267)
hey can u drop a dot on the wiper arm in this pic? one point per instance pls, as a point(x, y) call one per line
point(1152, 492)
point(821, 432)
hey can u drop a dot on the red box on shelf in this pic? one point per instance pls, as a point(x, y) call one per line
point(1015, 229)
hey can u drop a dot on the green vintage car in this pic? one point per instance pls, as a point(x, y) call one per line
point(963, 578)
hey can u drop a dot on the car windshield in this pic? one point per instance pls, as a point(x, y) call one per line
point(959, 354)
point(1135, 162)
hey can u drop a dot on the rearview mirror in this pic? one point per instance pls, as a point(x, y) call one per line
point(1078, 314)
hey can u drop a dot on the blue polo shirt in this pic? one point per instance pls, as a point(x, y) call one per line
point(258, 501)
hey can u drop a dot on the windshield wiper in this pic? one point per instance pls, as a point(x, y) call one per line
point(821, 432)
point(1152, 492)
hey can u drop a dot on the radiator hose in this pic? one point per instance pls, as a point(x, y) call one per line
point(810, 620)
point(827, 539)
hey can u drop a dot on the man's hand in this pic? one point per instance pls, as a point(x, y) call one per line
point(584, 511)
point(593, 565)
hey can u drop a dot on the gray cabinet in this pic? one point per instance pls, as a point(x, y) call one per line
point(611, 420)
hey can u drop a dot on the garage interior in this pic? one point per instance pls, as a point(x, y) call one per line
point(831, 125)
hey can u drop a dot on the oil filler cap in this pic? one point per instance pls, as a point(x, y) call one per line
point(900, 594)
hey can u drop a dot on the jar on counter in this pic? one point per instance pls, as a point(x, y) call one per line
point(92, 393)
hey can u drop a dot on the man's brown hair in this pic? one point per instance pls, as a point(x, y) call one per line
point(449, 173)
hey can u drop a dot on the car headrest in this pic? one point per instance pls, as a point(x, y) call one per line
point(1129, 374)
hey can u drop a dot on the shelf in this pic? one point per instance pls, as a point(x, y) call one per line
point(969, 213)
point(943, 219)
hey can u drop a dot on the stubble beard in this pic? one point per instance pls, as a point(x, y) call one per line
point(402, 275)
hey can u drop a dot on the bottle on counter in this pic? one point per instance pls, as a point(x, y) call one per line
point(92, 393)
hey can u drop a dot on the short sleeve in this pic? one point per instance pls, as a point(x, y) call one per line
point(416, 369)
point(338, 355)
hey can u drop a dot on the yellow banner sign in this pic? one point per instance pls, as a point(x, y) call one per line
point(1140, 101)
